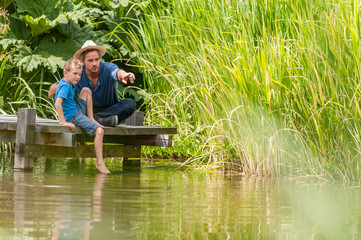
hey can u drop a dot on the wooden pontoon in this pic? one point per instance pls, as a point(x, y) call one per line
point(38, 137)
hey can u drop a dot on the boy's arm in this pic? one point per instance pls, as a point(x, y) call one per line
point(59, 110)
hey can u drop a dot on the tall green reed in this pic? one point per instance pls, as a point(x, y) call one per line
point(274, 85)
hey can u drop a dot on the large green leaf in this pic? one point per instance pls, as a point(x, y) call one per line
point(82, 13)
point(115, 4)
point(27, 60)
point(53, 63)
point(78, 34)
point(56, 31)
point(41, 18)
point(19, 29)
point(38, 25)
point(37, 8)
point(42, 24)
point(9, 41)
point(30, 60)
point(63, 48)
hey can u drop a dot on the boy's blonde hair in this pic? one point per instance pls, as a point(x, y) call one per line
point(72, 64)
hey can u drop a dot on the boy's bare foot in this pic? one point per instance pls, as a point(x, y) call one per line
point(102, 168)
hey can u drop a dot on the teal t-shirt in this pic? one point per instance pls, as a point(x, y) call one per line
point(67, 92)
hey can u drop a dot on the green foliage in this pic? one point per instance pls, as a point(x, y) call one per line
point(5, 3)
point(41, 35)
point(274, 85)
point(35, 39)
point(41, 30)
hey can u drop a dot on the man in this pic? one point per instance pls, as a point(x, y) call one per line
point(101, 78)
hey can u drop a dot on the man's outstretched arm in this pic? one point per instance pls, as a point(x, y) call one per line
point(123, 76)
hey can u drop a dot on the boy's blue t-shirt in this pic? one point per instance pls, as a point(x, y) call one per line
point(105, 92)
point(67, 92)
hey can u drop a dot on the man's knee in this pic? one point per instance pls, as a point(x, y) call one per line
point(130, 103)
point(126, 108)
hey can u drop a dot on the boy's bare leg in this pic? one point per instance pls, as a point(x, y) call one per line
point(86, 95)
point(98, 145)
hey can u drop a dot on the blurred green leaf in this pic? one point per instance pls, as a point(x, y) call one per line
point(9, 41)
point(5, 3)
point(19, 29)
point(38, 25)
point(42, 18)
point(82, 13)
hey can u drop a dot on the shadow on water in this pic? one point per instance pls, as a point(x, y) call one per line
point(69, 199)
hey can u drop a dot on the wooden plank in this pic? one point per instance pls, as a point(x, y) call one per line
point(12, 126)
point(8, 117)
point(136, 119)
point(7, 136)
point(24, 135)
point(50, 125)
point(119, 130)
point(8, 126)
point(139, 130)
point(145, 140)
point(84, 151)
point(4, 125)
point(131, 162)
point(72, 140)
point(56, 128)
point(55, 139)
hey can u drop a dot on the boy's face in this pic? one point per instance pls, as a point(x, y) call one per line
point(72, 76)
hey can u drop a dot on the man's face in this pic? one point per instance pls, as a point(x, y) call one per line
point(72, 76)
point(92, 61)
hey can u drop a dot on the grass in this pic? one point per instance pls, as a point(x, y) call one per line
point(271, 87)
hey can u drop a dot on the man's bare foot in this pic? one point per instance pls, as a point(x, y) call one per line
point(102, 168)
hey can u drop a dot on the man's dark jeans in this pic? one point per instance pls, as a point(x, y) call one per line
point(123, 109)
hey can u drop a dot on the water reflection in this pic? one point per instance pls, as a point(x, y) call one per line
point(69, 205)
point(115, 209)
point(67, 199)
point(75, 223)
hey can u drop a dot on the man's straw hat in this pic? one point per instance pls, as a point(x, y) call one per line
point(89, 44)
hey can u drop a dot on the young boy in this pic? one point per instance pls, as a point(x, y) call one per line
point(72, 112)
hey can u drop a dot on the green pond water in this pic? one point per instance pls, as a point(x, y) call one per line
point(69, 199)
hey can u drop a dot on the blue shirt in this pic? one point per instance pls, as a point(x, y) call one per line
point(105, 93)
point(67, 92)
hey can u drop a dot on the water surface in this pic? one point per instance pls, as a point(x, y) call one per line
point(69, 199)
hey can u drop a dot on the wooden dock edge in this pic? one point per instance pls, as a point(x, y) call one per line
point(30, 144)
